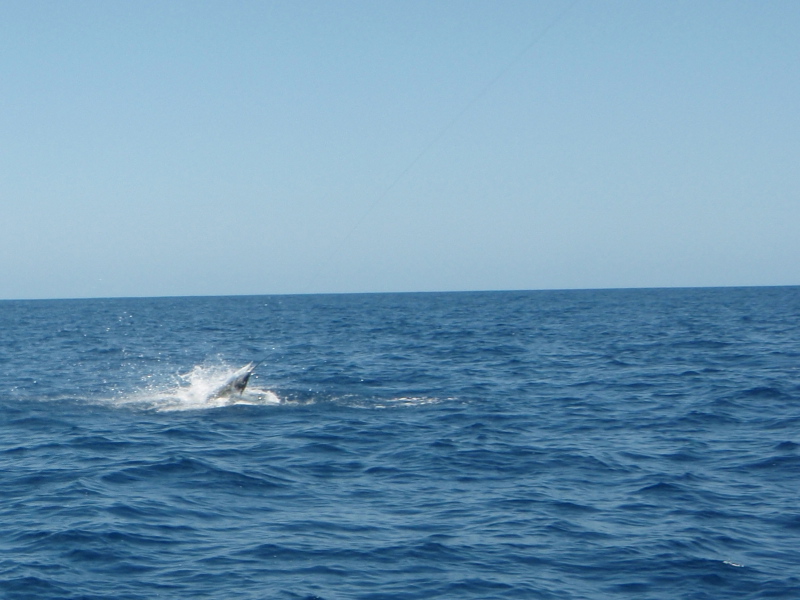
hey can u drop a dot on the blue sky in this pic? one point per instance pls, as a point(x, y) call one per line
point(186, 148)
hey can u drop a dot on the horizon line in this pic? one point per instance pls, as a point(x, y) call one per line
point(478, 291)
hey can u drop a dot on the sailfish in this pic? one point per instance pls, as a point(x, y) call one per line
point(234, 383)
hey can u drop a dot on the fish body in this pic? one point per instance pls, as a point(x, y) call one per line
point(235, 384)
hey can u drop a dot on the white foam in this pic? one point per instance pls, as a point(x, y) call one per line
point(195, 391)
point(408, 401)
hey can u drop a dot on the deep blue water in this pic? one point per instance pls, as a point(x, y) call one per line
point(640, 444)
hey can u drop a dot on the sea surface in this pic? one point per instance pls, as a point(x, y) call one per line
point(640, 444)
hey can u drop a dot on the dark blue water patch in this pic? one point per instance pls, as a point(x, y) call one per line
point(788, 447)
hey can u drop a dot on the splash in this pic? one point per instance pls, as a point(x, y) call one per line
point(196, 390)
point(408, 401)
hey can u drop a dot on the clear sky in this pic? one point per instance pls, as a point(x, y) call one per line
point(156, 148)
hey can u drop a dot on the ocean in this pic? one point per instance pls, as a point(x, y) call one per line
point(639, 444)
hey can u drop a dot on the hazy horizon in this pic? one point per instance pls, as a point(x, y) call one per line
point(486, 291)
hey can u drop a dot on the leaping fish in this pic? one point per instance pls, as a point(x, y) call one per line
point(235, 383)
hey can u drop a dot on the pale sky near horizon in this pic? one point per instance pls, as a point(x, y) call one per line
point(157, 148)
